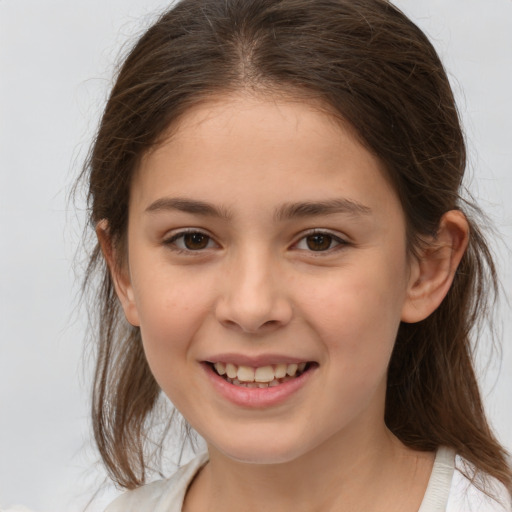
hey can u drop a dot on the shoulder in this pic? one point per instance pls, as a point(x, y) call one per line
point(465, 496)
point(142, 499)
point(164, 495)
point(449, 490)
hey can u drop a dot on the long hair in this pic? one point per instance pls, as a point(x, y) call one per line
point(376, 70)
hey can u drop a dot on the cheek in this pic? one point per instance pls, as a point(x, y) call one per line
point(170, 310)
point(357, 318)
point(357, 323)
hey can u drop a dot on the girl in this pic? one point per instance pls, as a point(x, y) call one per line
point(275, 189)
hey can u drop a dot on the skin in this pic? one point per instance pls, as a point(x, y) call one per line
point(255, 287)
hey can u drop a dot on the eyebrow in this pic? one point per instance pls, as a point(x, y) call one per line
point(188, 206)
point(285, 212)
point(317, 208)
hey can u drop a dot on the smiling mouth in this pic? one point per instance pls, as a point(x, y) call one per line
point(261, 377)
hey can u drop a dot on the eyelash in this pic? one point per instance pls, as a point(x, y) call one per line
point(336, 239)
point(331, 238)
point(171, 242)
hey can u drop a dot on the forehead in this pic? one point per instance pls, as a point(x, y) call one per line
point(261, 149)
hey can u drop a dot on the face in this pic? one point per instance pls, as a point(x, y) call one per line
point(268, 272)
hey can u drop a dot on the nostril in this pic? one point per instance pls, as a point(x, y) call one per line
point(251, 327)
point(253, 309)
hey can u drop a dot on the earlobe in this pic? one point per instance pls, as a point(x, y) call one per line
point(119, 273)
point(433, 270)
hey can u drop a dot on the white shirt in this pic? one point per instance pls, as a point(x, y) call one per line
point(448, 490)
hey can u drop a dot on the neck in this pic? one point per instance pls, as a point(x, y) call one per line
point(349, 472)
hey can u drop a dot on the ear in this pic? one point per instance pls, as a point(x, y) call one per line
point(119, 272)
point(433, 270)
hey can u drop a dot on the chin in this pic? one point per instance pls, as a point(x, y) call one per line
point(263, 452)
point(260, 457)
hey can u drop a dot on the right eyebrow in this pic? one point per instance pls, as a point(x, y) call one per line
point(188, 206)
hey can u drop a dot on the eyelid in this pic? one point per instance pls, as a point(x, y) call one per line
point(340, 239)
point(170, 239)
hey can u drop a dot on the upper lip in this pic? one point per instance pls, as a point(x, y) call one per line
point(255, 361)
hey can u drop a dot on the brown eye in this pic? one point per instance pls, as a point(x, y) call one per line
point(195, 241)
point(190, 241)
point(319, 242)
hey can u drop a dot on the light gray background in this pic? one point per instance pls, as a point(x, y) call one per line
point(56, 59)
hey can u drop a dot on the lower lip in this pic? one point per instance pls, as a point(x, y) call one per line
point(257, 398)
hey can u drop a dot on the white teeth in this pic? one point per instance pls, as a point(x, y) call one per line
point(291, 370)
point(264, 374)
point(231, 370)
point(262, 377)
point(280, 371)
point(220, 368)
point(245, 374)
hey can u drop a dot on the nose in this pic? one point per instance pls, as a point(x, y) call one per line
point(253, 297)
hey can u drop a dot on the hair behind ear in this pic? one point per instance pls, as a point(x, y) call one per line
point(125, 391)
point(433, 397)
point(124, 394)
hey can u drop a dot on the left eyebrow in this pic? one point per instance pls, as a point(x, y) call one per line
point(309, 209)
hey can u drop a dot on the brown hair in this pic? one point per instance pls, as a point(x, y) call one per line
point(373, 67)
